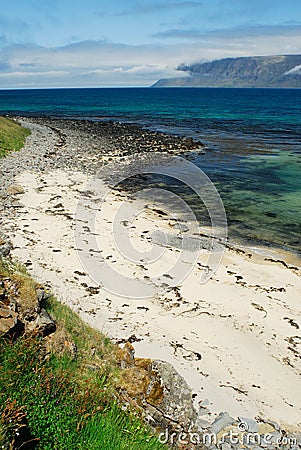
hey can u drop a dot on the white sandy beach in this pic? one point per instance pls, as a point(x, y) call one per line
point(235, 339)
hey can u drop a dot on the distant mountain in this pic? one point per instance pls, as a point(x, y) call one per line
point(283, 71)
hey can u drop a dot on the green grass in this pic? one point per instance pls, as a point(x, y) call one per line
point(57, 399)
point(12, 136)
point(2, 436)
point(65, 408)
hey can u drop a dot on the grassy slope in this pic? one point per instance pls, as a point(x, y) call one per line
point(12, 136)
point(65, 404)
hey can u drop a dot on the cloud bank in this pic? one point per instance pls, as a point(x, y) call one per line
point(105, 63)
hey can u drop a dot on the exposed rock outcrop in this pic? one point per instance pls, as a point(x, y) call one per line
point(21, 303)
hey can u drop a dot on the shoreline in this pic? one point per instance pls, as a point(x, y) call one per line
point(223, 330)
point(151, 141)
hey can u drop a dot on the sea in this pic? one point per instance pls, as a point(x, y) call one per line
point(252, 141)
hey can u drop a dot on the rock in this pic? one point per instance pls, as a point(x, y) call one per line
point(226, 446)
point(44, 324)
point(222, 421)
point(14, 189)
point(201, 423)
point(275, 438)
point(5, 247)
point(137, 382)
point(177, 396)
point(42, 295)
point(203, 411)
point(8, 320)
point(297, 438)
point(181, 227)
point(125, 356)
point(272, 424)
point(251, 426)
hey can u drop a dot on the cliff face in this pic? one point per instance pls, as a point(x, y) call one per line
point(260, 71)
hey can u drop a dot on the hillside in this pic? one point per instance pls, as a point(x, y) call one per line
point(61, 382)
point(259, 71)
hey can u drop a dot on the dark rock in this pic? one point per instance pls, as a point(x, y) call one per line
point(44, 324)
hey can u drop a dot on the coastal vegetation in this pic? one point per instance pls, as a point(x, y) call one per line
point(12, 136)
point(60, 391)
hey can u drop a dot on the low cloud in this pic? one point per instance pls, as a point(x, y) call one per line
point(103, 63)
point(90, 63)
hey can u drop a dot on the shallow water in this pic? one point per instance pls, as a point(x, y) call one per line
point(253, 153)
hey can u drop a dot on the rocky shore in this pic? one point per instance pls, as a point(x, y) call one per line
point(82, 146)
point(235, 340)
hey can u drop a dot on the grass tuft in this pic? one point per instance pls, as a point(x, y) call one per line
point(12, 136)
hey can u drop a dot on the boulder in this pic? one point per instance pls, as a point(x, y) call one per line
point(222, 421)
point(155, 385)
point(10, 325)
point(177, 404)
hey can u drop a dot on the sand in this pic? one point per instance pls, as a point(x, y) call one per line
point(235, 338)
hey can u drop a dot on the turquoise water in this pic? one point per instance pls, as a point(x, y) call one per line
point(262, 195)
point(252, 136)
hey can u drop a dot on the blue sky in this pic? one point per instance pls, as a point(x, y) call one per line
point(135, 42)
